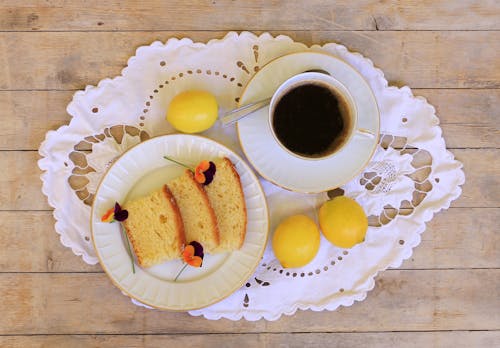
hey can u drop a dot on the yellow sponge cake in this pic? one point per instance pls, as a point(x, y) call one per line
point(200, 223)
point(226, 197)
point(154, 227)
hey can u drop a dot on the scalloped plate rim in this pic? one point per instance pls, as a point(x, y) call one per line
point(200, 140)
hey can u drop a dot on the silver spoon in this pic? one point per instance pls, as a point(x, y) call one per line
point(234, 115)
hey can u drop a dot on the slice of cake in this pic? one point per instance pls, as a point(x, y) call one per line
point(226, 197)
point(200, 223)
point(154, 227)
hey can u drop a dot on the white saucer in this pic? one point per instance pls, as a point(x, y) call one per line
point(285, 170)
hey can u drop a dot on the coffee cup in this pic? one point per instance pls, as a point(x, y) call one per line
point(312, 116)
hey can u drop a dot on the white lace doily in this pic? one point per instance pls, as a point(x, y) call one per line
point(411, 176)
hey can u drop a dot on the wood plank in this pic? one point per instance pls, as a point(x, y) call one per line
point(407, 300)
point(482, 182)
point(43, 253)
point(469, 117)
point(20, 187)
point(26, 116)
point(62, 60)
point(254, 15)
point(463, 106)
point(455, 339)
point(459, 238)
point(426, 59)
point(456, 238)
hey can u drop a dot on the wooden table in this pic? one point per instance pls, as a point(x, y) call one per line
point(446, 294)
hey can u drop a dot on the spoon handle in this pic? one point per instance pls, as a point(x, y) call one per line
point(236, 114)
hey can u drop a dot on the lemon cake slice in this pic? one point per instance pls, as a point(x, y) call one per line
point(154, 227)
point(226, 197)
point(200, 223)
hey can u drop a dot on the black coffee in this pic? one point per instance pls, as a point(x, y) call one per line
point(311, 120)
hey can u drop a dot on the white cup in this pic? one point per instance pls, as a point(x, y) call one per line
point(346, 105)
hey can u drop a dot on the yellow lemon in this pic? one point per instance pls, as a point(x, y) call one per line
point(343, 222)
point(192, 111)
point(296, 241)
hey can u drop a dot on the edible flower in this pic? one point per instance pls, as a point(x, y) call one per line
point(118, 214)
point(204, 172)
point(192, 255)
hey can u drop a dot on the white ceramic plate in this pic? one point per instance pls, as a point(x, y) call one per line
point(280, 167)
point(143, 169)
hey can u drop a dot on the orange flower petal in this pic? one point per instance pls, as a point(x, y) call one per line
point(195, 261)
point(204, 165)
point(199, 177)
point(188, 253)
point(109, 215)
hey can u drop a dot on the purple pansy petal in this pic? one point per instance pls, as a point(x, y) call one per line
point(208, 178)
point(122, 215)
point(209, 173)
point(211, 168)
point(198, 249)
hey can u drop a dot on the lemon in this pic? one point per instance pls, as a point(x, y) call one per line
point(343, 222)
point(296, 241)
point(192, 111)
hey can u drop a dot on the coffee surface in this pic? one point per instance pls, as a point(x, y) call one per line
point(309, 120)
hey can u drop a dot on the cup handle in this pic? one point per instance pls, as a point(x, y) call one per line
point(365, 133)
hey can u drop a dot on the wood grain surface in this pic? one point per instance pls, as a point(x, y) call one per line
point(446, 295)
point(421, 59)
